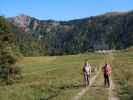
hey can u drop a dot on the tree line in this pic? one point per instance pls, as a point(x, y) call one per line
point(75, 36)
point(9, 54)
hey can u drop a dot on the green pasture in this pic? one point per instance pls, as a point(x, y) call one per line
point(50, 77)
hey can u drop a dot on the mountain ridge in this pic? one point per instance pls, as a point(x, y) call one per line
point(106, 31)
point(24, 21)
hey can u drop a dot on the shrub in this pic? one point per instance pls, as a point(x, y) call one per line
point(8, 58)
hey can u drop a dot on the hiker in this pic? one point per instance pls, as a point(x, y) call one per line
point(86, 73)
point(107, 72)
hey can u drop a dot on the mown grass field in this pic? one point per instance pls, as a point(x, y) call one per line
point(60, 78)
point(123, 74)
point(50, 78)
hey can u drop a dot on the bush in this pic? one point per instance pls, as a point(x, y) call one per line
point(8, 53)
point(8, 58)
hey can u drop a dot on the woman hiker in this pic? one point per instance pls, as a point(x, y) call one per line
point(86, 73)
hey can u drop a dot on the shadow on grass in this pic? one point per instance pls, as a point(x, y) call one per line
point(71, 87)
point(62, 88)
point(50, 97)
point(97, 86)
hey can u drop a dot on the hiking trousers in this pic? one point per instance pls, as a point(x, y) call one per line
point(106, 80)
point(86, 79)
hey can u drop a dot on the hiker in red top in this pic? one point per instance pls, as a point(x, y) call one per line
point(107, 72)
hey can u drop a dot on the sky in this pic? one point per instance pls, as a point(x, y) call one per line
point(62, 9)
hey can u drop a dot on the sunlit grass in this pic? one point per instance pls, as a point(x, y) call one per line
point(123, 74)
point(50, 78)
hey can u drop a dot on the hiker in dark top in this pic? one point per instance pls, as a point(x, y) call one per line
point(86, 73)
point(107, 72)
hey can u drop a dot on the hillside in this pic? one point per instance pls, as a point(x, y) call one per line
point(108, 31)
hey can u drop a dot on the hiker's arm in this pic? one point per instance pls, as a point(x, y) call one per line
point(110, 70)
point(90, 71)
point(102, 69)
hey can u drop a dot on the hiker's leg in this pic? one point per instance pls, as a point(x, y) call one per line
point(87, 79)
point(104, 79)
point(84, 79)
point(108, 81)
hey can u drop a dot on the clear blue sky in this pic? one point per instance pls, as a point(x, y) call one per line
point(62, 9)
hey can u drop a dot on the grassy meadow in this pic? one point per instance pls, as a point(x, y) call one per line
point(60, 77)
point(50, 77)
point(123, 74)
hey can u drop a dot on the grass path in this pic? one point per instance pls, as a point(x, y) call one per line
point(97, 89)
point(83, 91)
point(112, 94)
